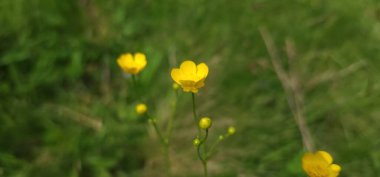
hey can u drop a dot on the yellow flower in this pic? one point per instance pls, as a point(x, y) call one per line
point(132, 64)
point(320, 164)
point(205, 123)
point(190, 76)
point(141, 108)
point(231, 130)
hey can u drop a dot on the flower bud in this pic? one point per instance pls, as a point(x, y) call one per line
point(205, 123)
point(196, 142)
point(141, 109)
point(175, 86)
point(231, 130)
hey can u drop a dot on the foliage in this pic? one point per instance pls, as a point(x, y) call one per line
point(64, 110)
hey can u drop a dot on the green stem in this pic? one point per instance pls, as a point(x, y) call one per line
point(135, 86)
point(169, 129)
point(203, 159)
point(212, 149)
point(165, 144)
point(167, 159)
point(162, 139)
point(195, 113)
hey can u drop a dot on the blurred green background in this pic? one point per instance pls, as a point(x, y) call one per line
point(64, 109)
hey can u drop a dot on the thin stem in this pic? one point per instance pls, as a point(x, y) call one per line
point(195, 113)
point(169, 129)
point(165, 145)
point(203, 159)
point(205, 168)
point(135, 86)
point(167, 159)
point(212, 148)
point(162, 139)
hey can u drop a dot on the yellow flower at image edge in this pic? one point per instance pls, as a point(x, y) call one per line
point(132, 64)
point(320, 164)
point(190, 76)
point(141, 108)
point(205, 123)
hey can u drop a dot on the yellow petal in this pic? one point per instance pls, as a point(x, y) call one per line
point(188, 67)
point(335, 168)
point(202, 70)
point(187, 83)
point(176, 75)
point(307, 159)
point(325, 155)
point(200, 83)
point(194, 90)
point(140, 60)
point(315, 164)
point(186, 89)
point(125, 60)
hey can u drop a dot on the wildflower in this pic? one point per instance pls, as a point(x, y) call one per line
point(320, 164)
point(141, 108)
point(231, 130)
point(132, 64)
point(190, 76)
point(205, 123)
point(175, 86)
point(196, 142)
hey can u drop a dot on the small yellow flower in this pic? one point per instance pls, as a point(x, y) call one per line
point(141, 108)
point(196, 142)
point(205, 123)
point(320, 164)
point(190, 76)
point(231, 130)
point(132, 64)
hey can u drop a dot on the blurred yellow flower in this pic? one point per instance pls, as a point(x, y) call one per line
point(320, 164)
point(132, 64)
point(141, 108)
point(190, 76)
point(205, 123)
point(231, 130)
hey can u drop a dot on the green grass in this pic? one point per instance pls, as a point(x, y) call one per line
point(64, 109)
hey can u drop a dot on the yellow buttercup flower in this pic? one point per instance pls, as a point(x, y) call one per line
point(205, 123)
point(190, 76)
point(320, 164)
point(132, 64)
point(141, 108)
